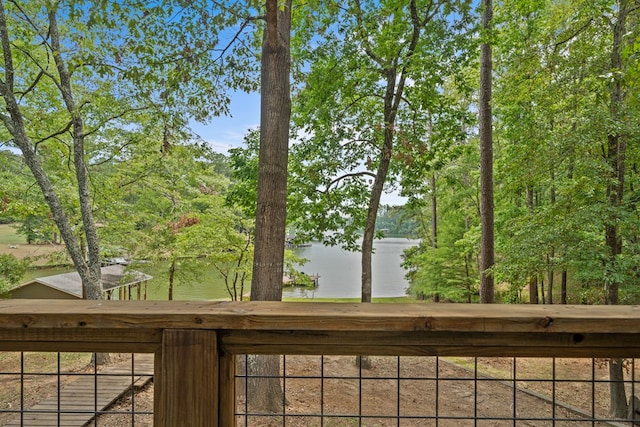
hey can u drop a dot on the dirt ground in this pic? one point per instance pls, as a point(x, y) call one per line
point(34, 377)
point(40, 254)
point(455, 398)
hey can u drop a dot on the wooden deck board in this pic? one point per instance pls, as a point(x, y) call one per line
point(78, 401)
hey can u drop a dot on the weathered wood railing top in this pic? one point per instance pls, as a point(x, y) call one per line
point(195, 342)
point(328, 328)
point(317, 316)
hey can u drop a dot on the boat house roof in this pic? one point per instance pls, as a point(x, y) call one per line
point(113, 277)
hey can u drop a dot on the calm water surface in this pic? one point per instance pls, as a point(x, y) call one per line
point(340, 271)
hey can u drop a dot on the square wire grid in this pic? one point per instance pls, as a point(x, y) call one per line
point(70, 389)
point(432, 391)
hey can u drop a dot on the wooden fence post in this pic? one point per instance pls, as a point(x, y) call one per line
point(227, 389)
point(186, 379)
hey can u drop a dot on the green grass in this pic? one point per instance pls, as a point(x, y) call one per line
point(203, 283)
point(8, 235)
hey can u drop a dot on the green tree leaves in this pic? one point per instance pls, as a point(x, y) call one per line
point(11, 271)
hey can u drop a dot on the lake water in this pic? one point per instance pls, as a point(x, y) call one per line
point(341, 272)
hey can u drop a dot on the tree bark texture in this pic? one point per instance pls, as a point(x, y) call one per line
point(618, 395)
point(265, 393)
point(275, 114)
point(550, 278)
point(552, 251)
point(14, 122)
point(616, 148)
point(486, 161)
point(434, 213)
point(434, 225)
point(172, 278)
point(93, 283)
point(533, 290)
point(376, 190)
point(395, 77)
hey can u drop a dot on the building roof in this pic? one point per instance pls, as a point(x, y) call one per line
point(113, 276)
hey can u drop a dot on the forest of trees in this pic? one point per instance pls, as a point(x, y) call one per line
point(103, 113)
point(565, 161)
point(510, 127)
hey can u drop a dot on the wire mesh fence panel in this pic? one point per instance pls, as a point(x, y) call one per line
point(438, 391)
point(200, 380)
point(70, 389)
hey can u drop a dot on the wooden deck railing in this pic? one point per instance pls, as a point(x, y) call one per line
point(195, 343)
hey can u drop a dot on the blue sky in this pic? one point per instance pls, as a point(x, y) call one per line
point(226, 132)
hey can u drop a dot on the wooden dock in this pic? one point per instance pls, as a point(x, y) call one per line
point(77, 403)
point(288, 280)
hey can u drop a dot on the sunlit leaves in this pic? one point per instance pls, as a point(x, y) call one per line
point(362, 51)
point(554, 120)
point(11, 272)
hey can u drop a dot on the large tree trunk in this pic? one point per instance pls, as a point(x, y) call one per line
point(93, 289)
point(434, 213)
point(395, 78)
point(364, 362)
point(89, 270)
point(275, 114)
point(268, 263)
point(616, 147)
point(434, 225)
point(468, 260)
point(618, 395)
point(486, 160)
point(378, 185)
point(263, 384)
point(94, 286)
point(533, 280)
point(550, 278)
